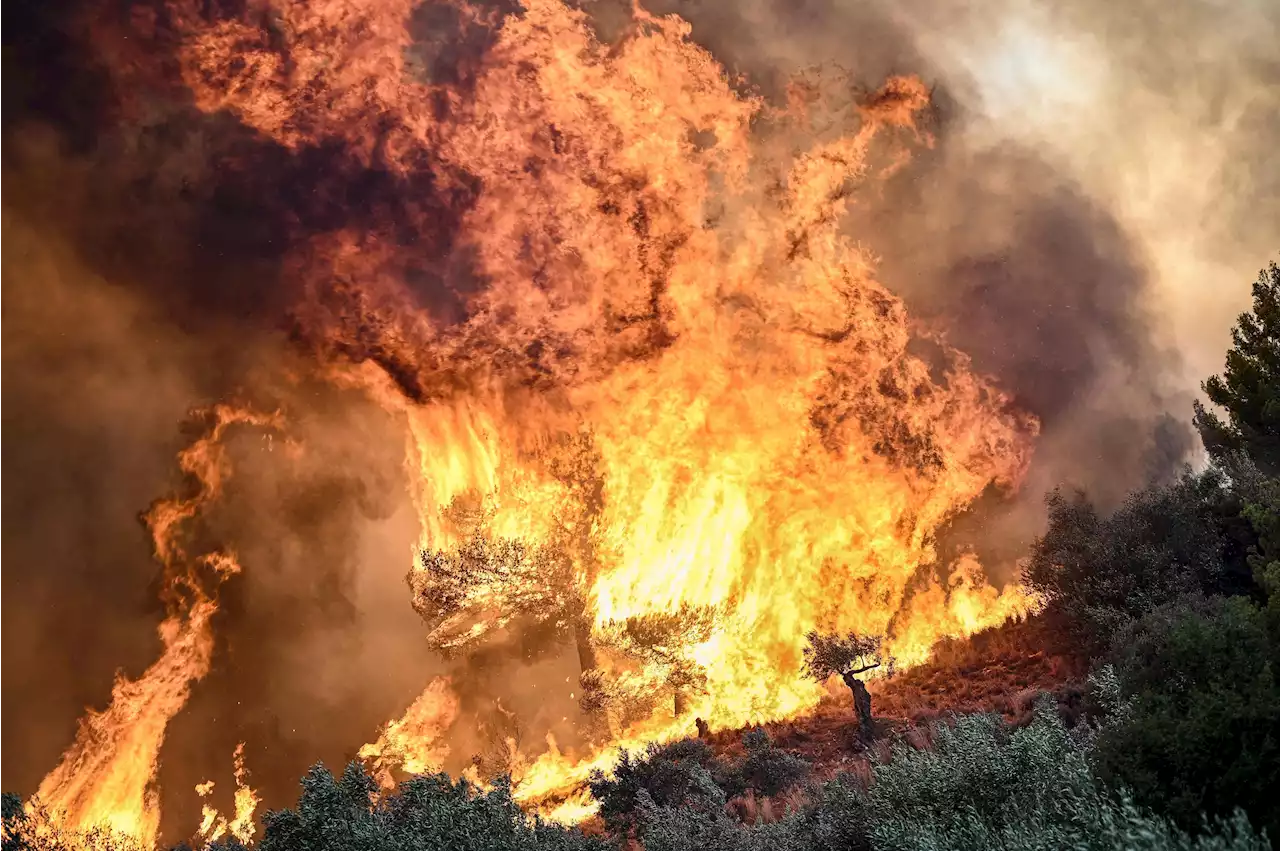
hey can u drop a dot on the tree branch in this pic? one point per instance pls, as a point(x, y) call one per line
point(861, 670)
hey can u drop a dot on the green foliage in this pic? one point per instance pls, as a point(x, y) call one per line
point(982, 786)
point(669, 775)
point(768, 769)
point(1263, 513)
point(686, 774)
point(1101, 572)
point(1249, 388)
point(1200, 727)
point(426, 812)
point(825, 655)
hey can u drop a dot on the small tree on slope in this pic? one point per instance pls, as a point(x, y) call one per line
point(847, 655)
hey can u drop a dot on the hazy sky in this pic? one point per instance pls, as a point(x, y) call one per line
point(1168, 113)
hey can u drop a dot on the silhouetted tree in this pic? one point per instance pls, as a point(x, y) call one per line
point(1249, 388)
point(847, 655)
point(665, 639)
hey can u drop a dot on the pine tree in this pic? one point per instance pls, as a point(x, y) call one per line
point(1249, 388)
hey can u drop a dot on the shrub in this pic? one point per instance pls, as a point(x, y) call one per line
point(687, 774)
point(426, 812)
point(983, 786)
point(1101, 572)
point(767, 769)
point(1200, 727)
point(664, 773)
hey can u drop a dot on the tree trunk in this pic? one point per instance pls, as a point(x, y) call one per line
point(582, 637)
point(681, 703)
point(861, 704)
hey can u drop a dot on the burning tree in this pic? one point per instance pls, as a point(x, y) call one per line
point(664, 640)
point(471, 591)
point(479, 588)
point(847, 655)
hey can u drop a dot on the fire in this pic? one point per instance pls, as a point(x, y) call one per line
point(412, 743)
point(665, 396)
point(214, 825)
point(106, 778)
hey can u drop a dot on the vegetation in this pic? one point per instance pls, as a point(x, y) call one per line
point(1249, 388)
point(1199, 730)
point(1174, 599)
point(846, 656)
point(1099, 573)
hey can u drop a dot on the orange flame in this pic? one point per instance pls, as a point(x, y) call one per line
point(413, 742)
point(106, 778)
point(674, 369)
point(214, 825)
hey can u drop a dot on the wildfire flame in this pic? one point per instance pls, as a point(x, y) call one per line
point(106, 778)
point(664, 382)
point(214, 825)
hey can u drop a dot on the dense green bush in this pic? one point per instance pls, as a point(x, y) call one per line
point(1101, 572)
point(982, 786)
point(687, 774)
point(1198, 729)
point(767, 769)
point(671, 775)
point(426, 812)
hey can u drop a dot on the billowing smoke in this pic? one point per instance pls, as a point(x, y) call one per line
point(1100, 190)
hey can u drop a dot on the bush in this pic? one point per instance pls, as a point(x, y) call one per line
point(767, 769)
point(687, 774)
point(1101, 572)
point(983, 786)
point(666, 774)
point(1200, 726)
point(426, 812)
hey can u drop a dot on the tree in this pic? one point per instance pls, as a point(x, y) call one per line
point(1101, 572)
point(1249, 388)
point(664, 640)
point(469, 593)
point(847, 655)
point(1200, 710)
point(473, 592)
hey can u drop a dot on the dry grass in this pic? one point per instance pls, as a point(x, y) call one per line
point(1000, 670)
